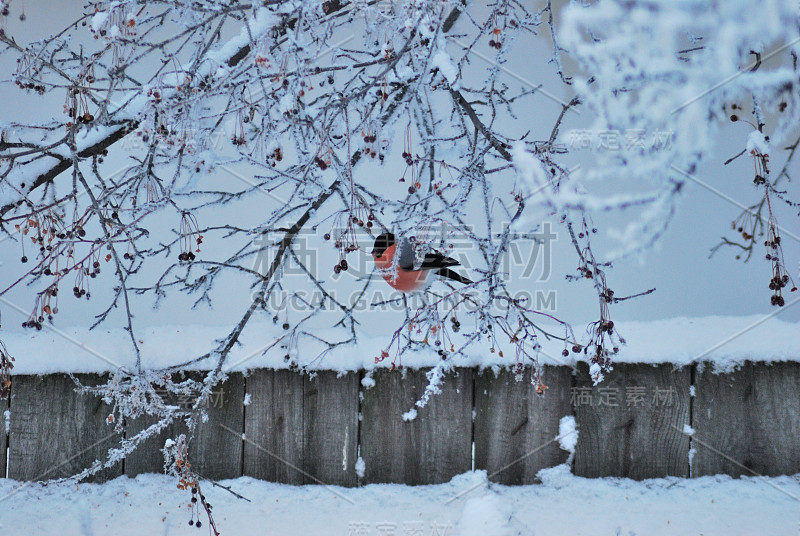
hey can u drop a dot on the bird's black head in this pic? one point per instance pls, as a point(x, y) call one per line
point(382, 243)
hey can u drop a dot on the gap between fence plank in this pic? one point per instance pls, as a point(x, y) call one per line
point(302, 430)
point(515, 428)
point(428, 449)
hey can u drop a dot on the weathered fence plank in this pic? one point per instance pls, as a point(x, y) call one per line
point(303, 429)
point(57, 432)
point(433, 447)
point(221, 433)
point(330, 428)
point(273, 425)
point(147, 457)
point(515, 428)
point(3, 435)
point(747, 422)
point(631, 425)
point(216, 448)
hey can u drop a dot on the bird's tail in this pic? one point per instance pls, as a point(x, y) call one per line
point(450, 274)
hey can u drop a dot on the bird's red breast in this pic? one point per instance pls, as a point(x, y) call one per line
point(402, 280)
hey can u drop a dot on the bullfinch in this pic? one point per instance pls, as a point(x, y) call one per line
point(407, 277)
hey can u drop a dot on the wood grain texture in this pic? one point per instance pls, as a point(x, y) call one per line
point(515, 428)
point(273, 424)
point(3, 435)
point(330, 428)
point(747, 422)
point(57, 432)
point(430, 449)
point(639, 437)
point(147, 458)
point(304, 429)
point(215, 450)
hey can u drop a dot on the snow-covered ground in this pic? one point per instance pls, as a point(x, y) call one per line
point(468, 505)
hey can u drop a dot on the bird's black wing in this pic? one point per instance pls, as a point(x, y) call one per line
point(407, 260)
point(450, 274)
point(437, 260)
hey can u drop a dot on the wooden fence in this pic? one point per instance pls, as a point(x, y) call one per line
point(298, 429)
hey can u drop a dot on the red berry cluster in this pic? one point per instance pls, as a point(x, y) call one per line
point(780, 278)
point(190, 238)
point(342, 265)
point(734, 116)
point(56, 242)
point(322, 164)
point(608, 295)
point(323, 157)
point(43, 308)
point(369, 139)
point(495, 42)
point(120, 18)
point(38, 88)
point(197, 500)
point(410, 161)
point(188, 480)
point(76, 106)
point(347, 240)
point(26, 75)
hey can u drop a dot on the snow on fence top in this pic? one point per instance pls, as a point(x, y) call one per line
point(725, 342)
